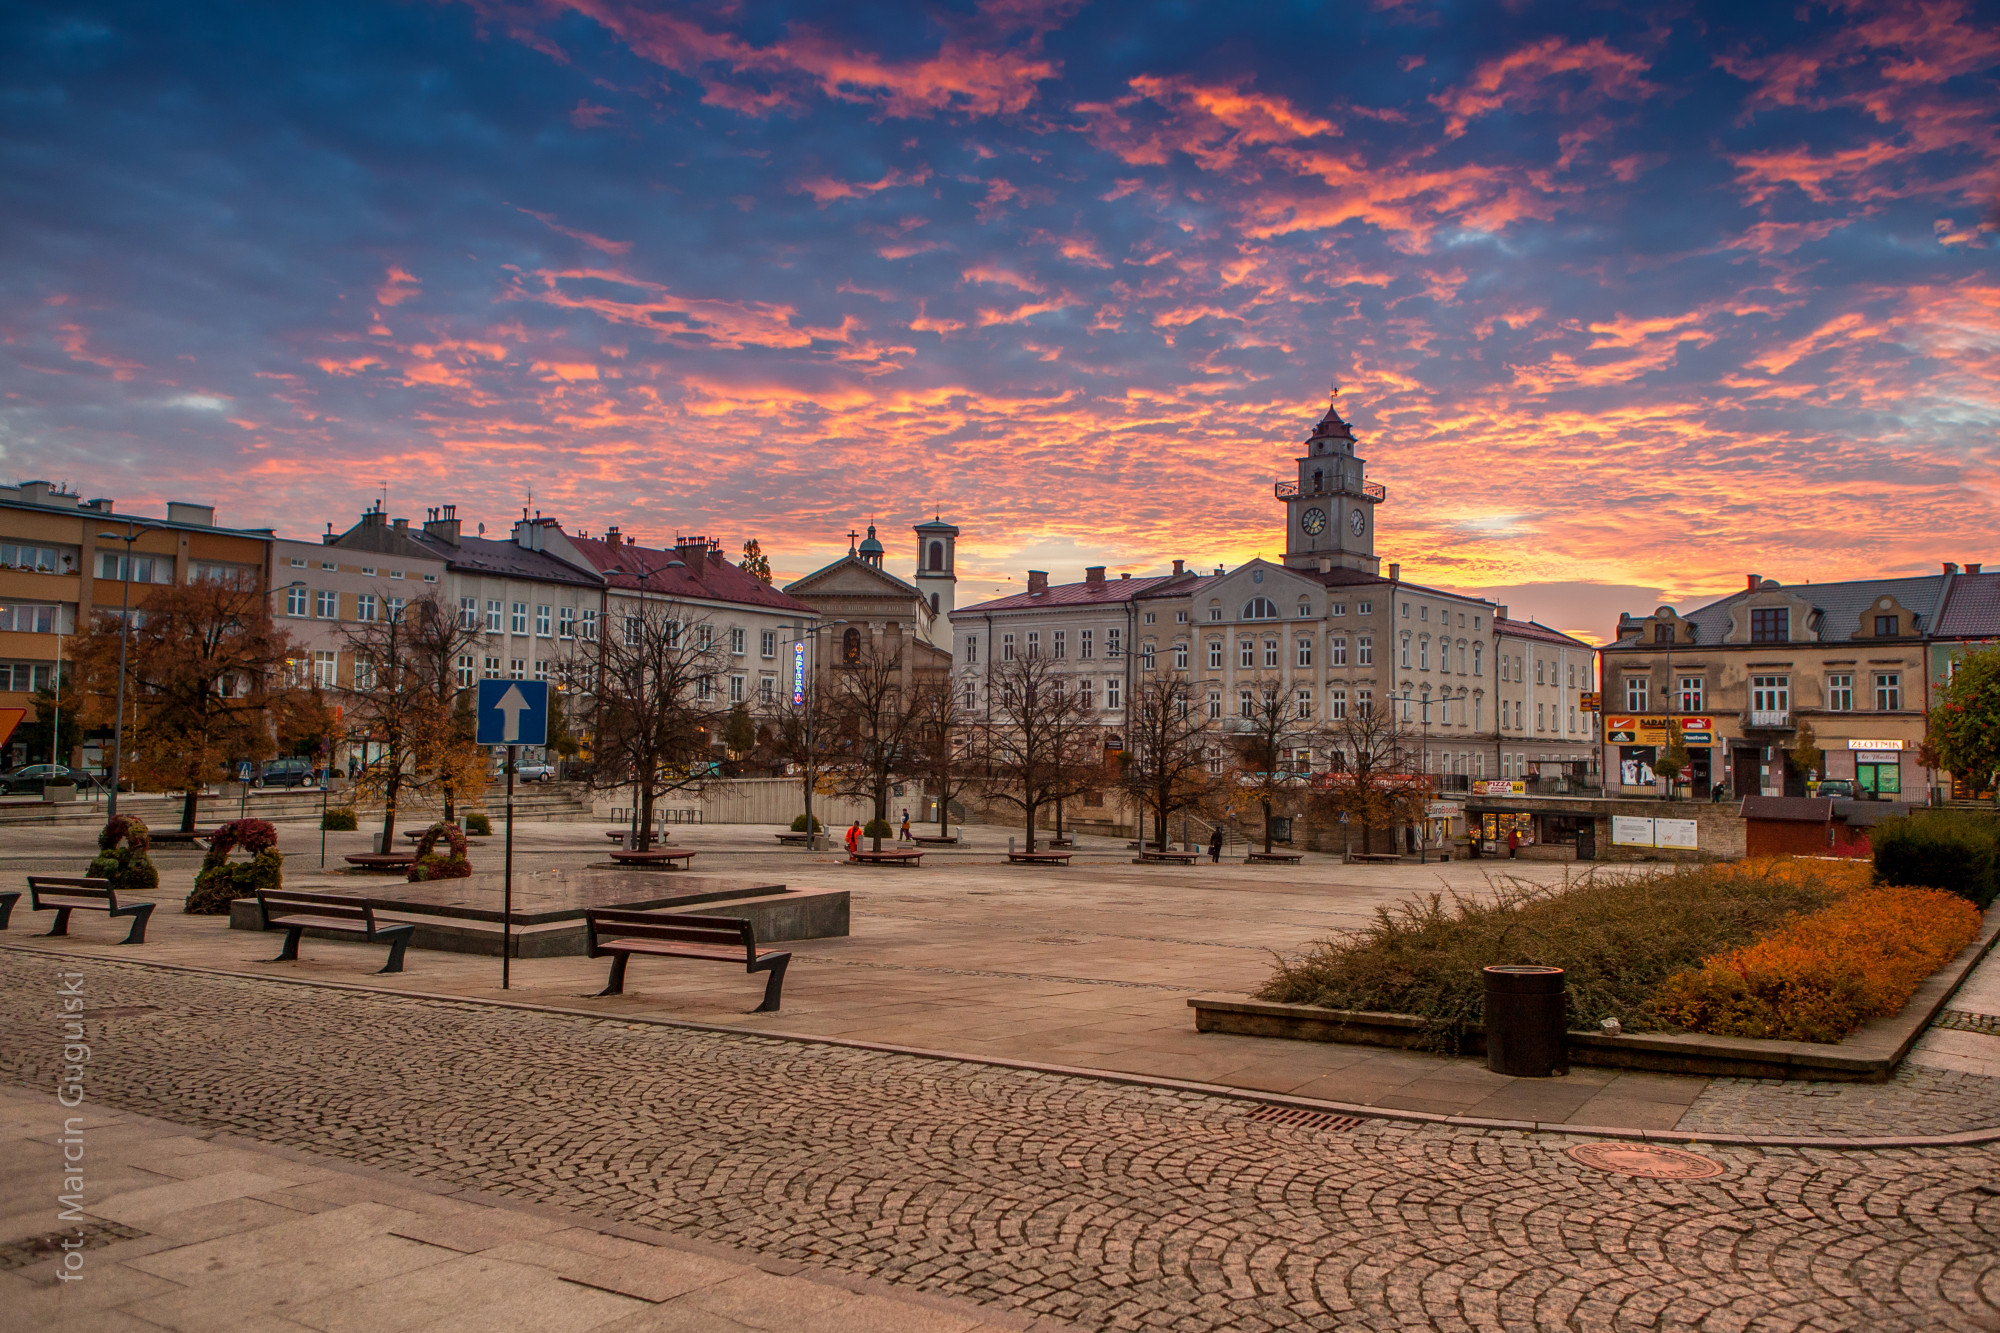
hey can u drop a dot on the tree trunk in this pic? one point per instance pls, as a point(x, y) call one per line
point(389, 794)
point(881, 812)
point(188, 808)
point(1267, 828)
point(1031, 807)
point(1160, 824)
point(1058, 837)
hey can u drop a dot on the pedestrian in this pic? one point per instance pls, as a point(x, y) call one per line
point(1513, 844)
point(854, 837)
point(1215, 845)
point(905, 834)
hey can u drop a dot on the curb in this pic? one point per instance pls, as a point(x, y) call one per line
point(1957, 1139)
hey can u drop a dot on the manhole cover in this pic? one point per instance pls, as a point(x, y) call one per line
point(1646, 1161)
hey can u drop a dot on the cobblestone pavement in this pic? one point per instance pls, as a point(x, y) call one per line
point(1917, 1100)
point(1105, 1205)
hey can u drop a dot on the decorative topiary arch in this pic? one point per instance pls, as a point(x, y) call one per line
point(429, 865)
point(219, 882)
point(122, 858)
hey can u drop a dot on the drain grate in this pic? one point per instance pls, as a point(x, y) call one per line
point(1962, 1020)
point(89, 1236)
point(1298, 1117)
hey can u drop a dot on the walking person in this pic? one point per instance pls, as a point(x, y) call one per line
point(905, 834)
point(1215, 845)
point(1513, 844)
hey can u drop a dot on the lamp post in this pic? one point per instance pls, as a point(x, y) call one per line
point(1423, 702)
point(130, 535)
point(808, 683)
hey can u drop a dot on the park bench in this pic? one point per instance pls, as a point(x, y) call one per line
point(383, 861)
point(7, 901)
point(795, 837)
point(174, 837)
point(53, 893)
point(621, 932)
point(295, 913)
point(1163, 858)
point(1062, 842)
point(1274, 858)
point(888, 856)
point(655, 856)
point(1040, 858)
point(1388, 858)
point(935, 839)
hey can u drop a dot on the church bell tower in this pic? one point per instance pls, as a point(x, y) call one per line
point(1330, 509)
point(937, 576)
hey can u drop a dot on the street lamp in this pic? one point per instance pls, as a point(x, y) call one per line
point(1425, 703)
point(812, 715)
point(130, 535)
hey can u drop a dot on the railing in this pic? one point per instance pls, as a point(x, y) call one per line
point(1374, 490)
point(1769, 718)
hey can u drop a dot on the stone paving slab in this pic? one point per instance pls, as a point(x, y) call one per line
point(1031, 1194)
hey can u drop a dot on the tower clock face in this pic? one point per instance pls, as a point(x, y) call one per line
point(1314, 521)
point(1357, 520)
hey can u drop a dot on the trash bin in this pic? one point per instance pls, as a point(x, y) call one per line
point(1526, 1021)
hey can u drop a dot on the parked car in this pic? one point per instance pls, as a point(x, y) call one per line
point(291, 772)
point(33, 777)
point(535, 772)
point(1835, 789)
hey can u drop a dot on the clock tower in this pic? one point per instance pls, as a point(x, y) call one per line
point(1330, 509)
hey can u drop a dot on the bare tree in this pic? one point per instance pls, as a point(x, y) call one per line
point(1267, 742)
point(447, 756)
point(1167, 743)
point(1043, 744)
point(943, 748)
point(391, 708)
point(802, 735)
point(651, 677)
point(1374, 779)
point(876, 720)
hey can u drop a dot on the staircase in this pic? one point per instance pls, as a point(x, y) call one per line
point(542, 803)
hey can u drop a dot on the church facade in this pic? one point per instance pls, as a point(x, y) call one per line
point(1482, 696)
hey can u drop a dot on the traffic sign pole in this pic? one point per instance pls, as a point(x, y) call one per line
point(507, 879)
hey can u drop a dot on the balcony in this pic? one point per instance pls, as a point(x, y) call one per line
point(1372, 490)
point(1767, 719)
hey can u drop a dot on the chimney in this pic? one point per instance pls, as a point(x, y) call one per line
point(372, 518)
point(1326, 564)
point(199, 516)
point(402, 525)
point(1179, 565)
point(1038, 582)
point(1750, 582)
point(1395, 573)
point(1950, 567)
point(1124, 576)
point(1499, 613)
point(1972, 567)
point(612, 536)
point(1093, 576)
point(443, 524)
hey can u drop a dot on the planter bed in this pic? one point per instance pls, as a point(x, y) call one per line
point(1868, 1055)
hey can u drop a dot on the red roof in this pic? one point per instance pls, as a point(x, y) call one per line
point(705, 575)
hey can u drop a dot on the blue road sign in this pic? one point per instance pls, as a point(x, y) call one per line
point(513, 712)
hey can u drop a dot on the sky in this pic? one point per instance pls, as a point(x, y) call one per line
point(1622, 301)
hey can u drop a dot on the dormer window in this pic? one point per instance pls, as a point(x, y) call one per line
point(1260, 608)
point(1771, 625)
point(1663, 632)
point(1888, 627)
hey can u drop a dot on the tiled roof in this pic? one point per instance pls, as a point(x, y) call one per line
point(1840, 606)
point(483, 555)
point(1971, 608)
point(1108, 593)
point(707, 576)
point(1528, 629)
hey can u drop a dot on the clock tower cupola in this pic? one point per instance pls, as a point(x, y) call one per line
point(1330, 509)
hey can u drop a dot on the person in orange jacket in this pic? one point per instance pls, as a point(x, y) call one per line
point(853, 838)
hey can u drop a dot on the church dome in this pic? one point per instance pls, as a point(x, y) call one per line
point(871, 546)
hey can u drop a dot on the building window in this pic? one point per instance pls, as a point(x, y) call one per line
point(517, 668)
point(1771, 625)
point(326, 668)
point(972, 648)
point(1246, 704)
point(1572, 675)
point(542, 669)
point(1888, 692)
point(1085, 649)
point(1180, 617)
point(1034, 643)
point(1215, 613)
point(589, 625)
point(1538, 717)
point(704, 636)
point(1638, 693)
point(704, 689)
point(364, 606)
point(494, 611)
point(1406, 610)
point(1691, 694)
point(1305, 652)
point(544, 621)
point(850, 647)
point(1364, 608)
point(1336, 608)
point(1112, 643)
point(1364, 651)
point(1304, 705)
point(1270, 652)
point(1478, 659)
point(1111, 692)
point(1215, 654)
point(326, 604)
point(466, 667)
point(1770, 694)
point(1888, 627)
point(736, 688)
point(737, 641)
point(566, 623)
point(1338, 651)
point(1086, 694)
point(1146, 655)
point(1246, 653)
point(491, 669)
point(767, 643)
point(1260, 608)
point(1478, 713)
point(1180, 657)
point(1663, 632)
point(1423, 613)
point(392, 610)
point(1336, 704)
point(971, 696)
point(518, 622)
point(1423, 654)
point(1840, 693)
point(1364, 703)
point(1006, 647)
point(295, 601)
point(49, 560)
point(1060, 645)
point(1406, 650)
point(468, 613)
point(1149, 617)
point(135, 569)
point(767, 689)
point(1215, 705)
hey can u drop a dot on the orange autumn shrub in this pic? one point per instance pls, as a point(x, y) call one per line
point(1823, 974)
point(1837, 876)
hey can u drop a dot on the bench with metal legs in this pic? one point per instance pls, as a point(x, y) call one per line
point(61, 895)
point(621, 932)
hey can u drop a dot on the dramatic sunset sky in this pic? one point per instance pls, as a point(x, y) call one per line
point(1623, 300)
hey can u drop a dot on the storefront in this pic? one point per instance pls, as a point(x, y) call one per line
point(1638, 743)
point(1878, 769)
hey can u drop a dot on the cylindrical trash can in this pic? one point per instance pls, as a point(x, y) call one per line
point(1526, 1019)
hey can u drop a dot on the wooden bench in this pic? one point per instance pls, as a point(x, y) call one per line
point(654, 856)
point(385, 861)
point(795, 837)
point(935, 839)
point(888, 856)
point(1040, 858)
point(1166, 858)
point(7, 901)
point(1062, 842)
point(1389, 858)
point(621, 932)
point(1274, 858)
point(174, 837)
point(296, 913)
point(54, 893)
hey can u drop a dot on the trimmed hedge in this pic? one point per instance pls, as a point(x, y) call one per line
point(878, 828)
point(339, 821)
point(127, 866)
point(1953, 850)
point(479, 826)
point(222, 881)
point(799, 824)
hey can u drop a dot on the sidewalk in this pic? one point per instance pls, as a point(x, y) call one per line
point(201, 1231)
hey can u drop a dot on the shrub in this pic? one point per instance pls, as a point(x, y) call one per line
point(338, 821)
point(127, 866)
point(479, 826)
point(1953, 850)
point(877, 828)
point(1823, 975)
point(1616, 934)
point(799, 824)
point(220, 882)
point(430, 865)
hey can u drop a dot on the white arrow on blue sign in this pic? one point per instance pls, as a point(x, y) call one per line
point(513, 712)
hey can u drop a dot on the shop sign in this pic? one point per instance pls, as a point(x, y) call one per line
point(1695, 731)
point(1590, 701)
point(1441, 810)
point(1500, 787)
point(1874, 745)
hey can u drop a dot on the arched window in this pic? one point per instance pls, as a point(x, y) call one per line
point(1260, 608)
point(934, 602)
point(1317, 478)
point(850, 647)
point(937, 555)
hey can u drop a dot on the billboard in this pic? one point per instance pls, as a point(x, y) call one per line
point(1698, 731)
